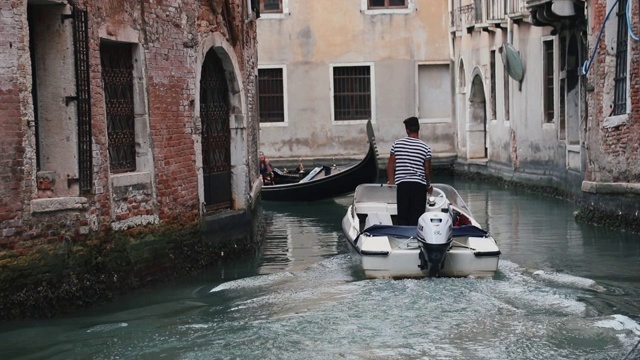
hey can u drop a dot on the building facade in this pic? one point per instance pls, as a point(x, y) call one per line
point(120, 116)
point(327, 67)
point(545, 96)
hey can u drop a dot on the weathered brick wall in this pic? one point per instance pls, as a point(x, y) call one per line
point(37, 247)
point(613, 152)
point(16, 153)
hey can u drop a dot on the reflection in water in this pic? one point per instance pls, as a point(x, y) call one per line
point(563, 291)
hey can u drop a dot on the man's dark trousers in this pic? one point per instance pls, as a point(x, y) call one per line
point(412, 202)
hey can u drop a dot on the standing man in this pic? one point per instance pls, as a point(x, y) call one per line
point(409, 168)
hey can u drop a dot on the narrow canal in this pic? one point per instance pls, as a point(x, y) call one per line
point(563, 291)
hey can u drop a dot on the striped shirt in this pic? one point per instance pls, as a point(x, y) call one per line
point(411, 153)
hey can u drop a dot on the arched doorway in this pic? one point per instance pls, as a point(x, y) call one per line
point(216, 143)
point(477, 126)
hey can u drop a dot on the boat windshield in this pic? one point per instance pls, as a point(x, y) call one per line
point(454, 198)
point(378, 193)
point(386, 194)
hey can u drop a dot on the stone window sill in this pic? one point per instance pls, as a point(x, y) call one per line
point(58, 204)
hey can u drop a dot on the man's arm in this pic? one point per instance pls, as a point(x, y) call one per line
point(391, 169)
point(427, 172)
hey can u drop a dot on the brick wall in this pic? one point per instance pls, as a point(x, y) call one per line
point(614, 152)
point(15, 78)
point(52, 242)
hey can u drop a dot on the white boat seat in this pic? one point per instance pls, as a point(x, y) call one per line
point(377, 219)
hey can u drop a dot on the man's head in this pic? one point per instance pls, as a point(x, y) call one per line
point(412, 125)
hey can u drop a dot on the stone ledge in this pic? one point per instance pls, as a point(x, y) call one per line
point(135, 222)
point(58, 204)
point(610, 188)
point(615, 120)
point(128, 179)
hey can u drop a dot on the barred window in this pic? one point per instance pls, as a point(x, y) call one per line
point(352, 92)
point(386, 4)
point(117, 77)
point(548, 80)
point(271, 6)
point(620, 89)
point(271, 95)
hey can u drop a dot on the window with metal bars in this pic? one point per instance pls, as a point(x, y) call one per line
point(548, 80)
point(387, 4)
point(117, 77)
point(271, 95)
point(352, 92)
point(620, 80)
point(492, 65)
point(271, 6)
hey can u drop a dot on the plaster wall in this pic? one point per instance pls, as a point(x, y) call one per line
point(308, 39)
point(520, 139)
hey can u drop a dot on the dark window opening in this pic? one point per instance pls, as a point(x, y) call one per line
point(270, 95)
point(352, 92)
point(387, 4)
point(117, 77)
point(620, 80)
point(492, 64)
point(548, 81)
point(271, 6)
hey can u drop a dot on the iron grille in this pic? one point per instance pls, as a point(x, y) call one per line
point(216, 141)
point(83, 93)
point(271, 95)
point(352, 92)
point(548, 81)
point(620, 89)
point(386, 4)
point(117, 75)
point(271, 6)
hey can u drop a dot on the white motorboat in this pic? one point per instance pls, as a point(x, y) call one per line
point(448, 241)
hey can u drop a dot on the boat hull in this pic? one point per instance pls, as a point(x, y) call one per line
point(396, 254)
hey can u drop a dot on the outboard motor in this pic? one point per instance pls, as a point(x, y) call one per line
point(435, 233)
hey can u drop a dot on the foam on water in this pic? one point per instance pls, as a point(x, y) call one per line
point(619, 322)
point(568, 280)
point(107, 327)
point(254, 281)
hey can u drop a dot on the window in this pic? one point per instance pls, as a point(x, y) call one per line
point(434, 92)
point(117, 77)
point(548, 80)
point(492, 64)
point(620, 89)
point(387, 4)
point(377, 7)
point(506, 93)
point(271, 6)
point(351, 92)
point(271, 95)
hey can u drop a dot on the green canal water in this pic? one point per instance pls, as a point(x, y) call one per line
point(563, 291)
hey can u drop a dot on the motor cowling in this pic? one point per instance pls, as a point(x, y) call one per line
point(435, 233)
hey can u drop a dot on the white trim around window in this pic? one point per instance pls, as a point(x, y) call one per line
point(364, 8)
point(285, 97)
point(372, 84)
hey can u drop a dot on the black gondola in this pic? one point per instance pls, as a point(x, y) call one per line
point(326, 182)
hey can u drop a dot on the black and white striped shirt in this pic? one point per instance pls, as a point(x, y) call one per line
point(410, 153)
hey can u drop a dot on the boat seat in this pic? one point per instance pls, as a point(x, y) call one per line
point(377, 219)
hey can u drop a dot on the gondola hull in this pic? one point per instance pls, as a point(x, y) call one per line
point(328, 186)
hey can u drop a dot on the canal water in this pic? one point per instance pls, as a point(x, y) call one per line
point(563, 291)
